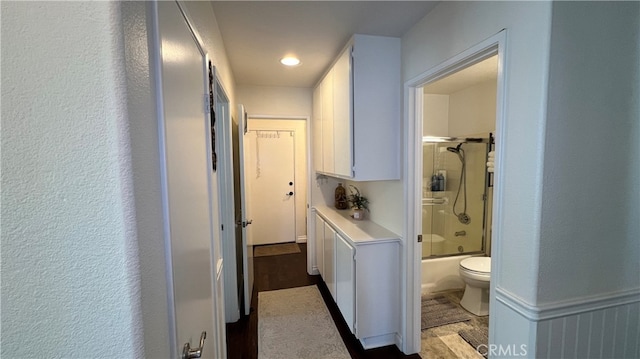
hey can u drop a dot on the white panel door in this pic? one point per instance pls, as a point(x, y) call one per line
point(245, 221)
point(345, 280)
point(189, 197)
point(329, 259)
point(269, 168)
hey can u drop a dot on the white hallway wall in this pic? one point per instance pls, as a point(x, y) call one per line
point(451, 28)
point(549, 294)
point(589, 277)
point(70, 272)
point(82, 249)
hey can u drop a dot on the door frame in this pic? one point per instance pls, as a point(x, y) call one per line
point(309, 168)
point(413, 177)
point(225, 171)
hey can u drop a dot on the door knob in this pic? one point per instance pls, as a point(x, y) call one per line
point(244, 223)
point(188, 353)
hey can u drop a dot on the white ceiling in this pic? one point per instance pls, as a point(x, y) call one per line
point(486, 70)
point(257, 34)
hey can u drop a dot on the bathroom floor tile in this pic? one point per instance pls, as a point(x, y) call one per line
point(444, 341)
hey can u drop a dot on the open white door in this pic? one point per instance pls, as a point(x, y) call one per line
point(189, 198)
point(247, 243)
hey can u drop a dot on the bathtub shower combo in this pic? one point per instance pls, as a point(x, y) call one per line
point(456, 211)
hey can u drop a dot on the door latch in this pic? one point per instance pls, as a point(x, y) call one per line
point(188, 353)
point(244, 224)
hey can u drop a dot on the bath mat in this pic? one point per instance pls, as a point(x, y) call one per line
point(476, 337)
point(440, 311)
point(295, 323)
point(275, 249)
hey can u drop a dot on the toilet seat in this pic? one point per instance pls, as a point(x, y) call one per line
point(476, 274)
point(477, 267)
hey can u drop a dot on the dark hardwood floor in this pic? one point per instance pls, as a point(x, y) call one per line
point(289, 271)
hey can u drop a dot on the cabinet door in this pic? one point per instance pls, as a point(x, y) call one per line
point(345, 280)
point(316, 123)
point(342, 115)
point(327, 123)
point(319, 242)
point(330, 259)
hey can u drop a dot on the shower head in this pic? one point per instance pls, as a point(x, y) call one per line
point(455, 149)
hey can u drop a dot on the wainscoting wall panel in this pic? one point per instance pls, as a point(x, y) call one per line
point(612, 332)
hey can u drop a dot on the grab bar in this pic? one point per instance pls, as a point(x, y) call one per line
point(434, 201)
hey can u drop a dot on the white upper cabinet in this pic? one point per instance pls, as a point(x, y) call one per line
point(316, 128)
point(359, 111)
point(342, 119)
point(326, 88)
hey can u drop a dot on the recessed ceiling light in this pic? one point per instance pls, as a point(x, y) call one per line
point(290, 61)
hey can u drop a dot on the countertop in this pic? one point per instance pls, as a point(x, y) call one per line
point(357, 231)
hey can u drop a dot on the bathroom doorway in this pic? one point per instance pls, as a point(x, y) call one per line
point(455, 110)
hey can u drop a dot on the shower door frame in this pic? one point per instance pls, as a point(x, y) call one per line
point(495, 45)
point(475, 140)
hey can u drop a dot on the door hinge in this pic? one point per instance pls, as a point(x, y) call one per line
point(207, 105)
point(419, 238)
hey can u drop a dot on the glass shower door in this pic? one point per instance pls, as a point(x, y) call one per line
point(453, 197)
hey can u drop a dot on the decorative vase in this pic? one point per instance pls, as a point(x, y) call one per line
point(358, 214)
point(341, 197)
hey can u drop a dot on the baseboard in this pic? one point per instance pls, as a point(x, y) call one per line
point(378, 341)
point(566, 308)
point(301, 239)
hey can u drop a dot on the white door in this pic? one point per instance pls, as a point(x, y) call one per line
point(190, 204)
point(269, 168)
point(245, 221)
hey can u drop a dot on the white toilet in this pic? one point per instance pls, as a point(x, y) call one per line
point(476, 273)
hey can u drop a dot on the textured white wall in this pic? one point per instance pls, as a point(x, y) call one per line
point(145, 160)
point(591, 197)
point(69, 255)
point(276, 101)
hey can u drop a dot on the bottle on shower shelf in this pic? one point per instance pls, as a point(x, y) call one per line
point(434, 183)
point(442, 180)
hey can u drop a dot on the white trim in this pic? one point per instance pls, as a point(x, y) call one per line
point(413, 105)
point(301, 239)
point(196, 36)
point(566, 308)
point(156, 68)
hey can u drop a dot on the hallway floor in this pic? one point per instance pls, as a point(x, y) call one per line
point(288, 271)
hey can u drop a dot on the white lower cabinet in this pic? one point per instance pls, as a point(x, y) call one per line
point(319, 233)
point(329, 261)
point(345, 281)
point(361, 268)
